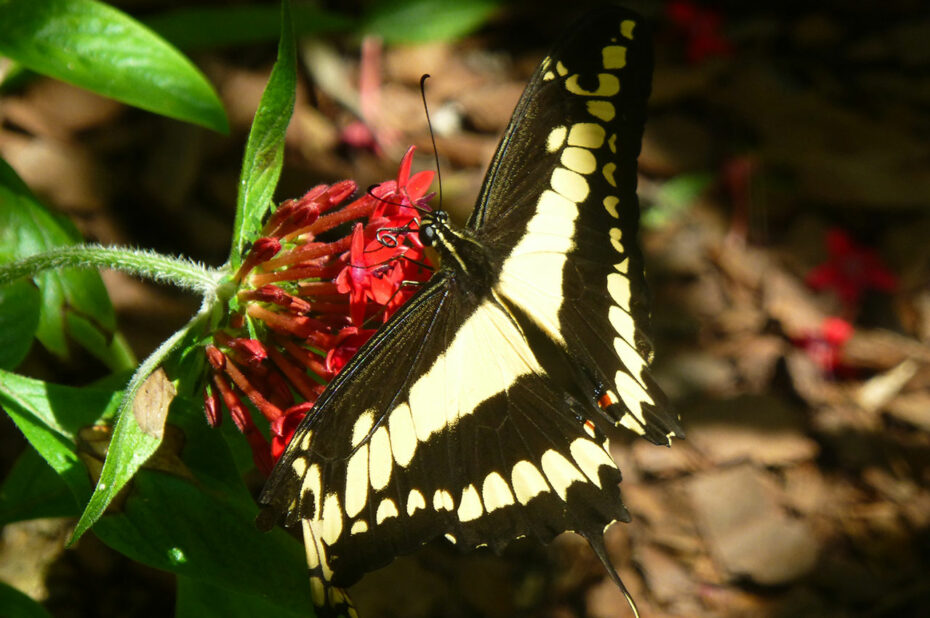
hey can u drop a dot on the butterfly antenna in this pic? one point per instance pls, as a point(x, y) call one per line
point(432, 136)
point(370, 192)
point(597, 544)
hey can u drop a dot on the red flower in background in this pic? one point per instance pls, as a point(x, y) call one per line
point(309, 299)
point(700, 28)
point(825, 347)
point(851, 270)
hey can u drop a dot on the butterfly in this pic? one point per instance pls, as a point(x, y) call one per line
point(478, 411)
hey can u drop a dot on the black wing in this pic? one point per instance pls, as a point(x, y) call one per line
point(559, 202)
point(443, 424)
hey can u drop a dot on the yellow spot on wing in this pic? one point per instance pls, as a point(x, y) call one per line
point(624, 266)
point(603, 110)
point(579, 160)
point(299, 466)
point(589, 457)
point(442, 500)
point(560, 472)
point(610, 203)
point(380, 462)
point(607, 86)
point(402, 433)
point(527, 481)
point(313, 484)
point(331, 520)
point(386, 509)
point(470, 505)
point(313, 554)
point(415, 500)
point(560, 68)
point(630, 422)
point(360, 526)
point(622, 321)
point(629, 356)
point(587, 135)
point(619, 288)
point(496, 492)
point(632, 394)
point(362, 427)
point(626, 28)
point(609, 170)
point(556, 138)
point(616, 238)
point(569, 184)
point(614, 56)
point(357, 482)
point(317, 591)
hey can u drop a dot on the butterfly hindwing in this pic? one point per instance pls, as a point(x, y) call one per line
point(560, 201)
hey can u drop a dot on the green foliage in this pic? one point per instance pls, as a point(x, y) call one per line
point(167, 492)
point(241, 24)
point(264, 152)
point(674, 197)
point(15, 603)
point(33, 490)
point(67, 297)
point(418, 21)
point(95, 46)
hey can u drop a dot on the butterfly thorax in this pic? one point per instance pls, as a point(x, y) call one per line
point(461, 253)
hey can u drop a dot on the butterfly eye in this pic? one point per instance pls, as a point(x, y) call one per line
point(428, 235)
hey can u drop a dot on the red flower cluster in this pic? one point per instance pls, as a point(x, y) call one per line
point(304, 303)
point(851, 270)
point(700, 29)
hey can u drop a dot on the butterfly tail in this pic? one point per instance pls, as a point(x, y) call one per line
point(597, 544)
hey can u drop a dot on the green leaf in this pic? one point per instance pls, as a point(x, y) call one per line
point(198, 522)
point(27, 228)
point(138, 433)
point(15, 603)
point(50, 417)
point(674, 197)
point(241, 24)
point(97, 47)
point(264, 152)
point(197, 599)
point(418, 21)
point(32, 490)
point(114, 352)
point(19, 319)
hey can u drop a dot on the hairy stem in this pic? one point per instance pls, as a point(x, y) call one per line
point(146, 264)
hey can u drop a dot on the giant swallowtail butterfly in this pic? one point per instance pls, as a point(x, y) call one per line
point(477, 412)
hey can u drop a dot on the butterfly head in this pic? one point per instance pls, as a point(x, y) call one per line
point(433, 228)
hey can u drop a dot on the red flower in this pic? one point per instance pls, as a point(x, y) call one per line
point(825, 347)
point(700, 28)
point(851, 270)
point(349, 340)
point(297, 319)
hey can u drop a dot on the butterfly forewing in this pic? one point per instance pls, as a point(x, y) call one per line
point(560, 201)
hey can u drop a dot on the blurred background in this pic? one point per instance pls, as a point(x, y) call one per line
point(785, 189)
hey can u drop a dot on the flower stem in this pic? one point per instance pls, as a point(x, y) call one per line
point(146, 264)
